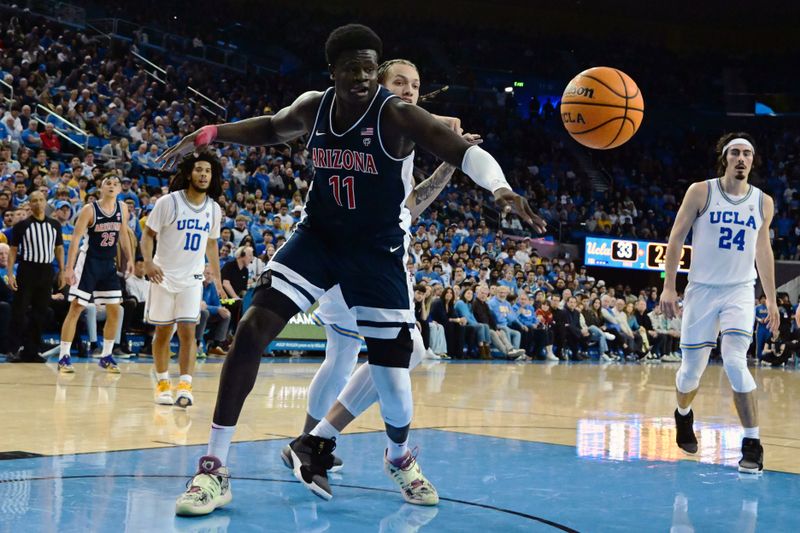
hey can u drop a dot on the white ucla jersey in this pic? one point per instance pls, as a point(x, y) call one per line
point(724, 237)
point(183, 231)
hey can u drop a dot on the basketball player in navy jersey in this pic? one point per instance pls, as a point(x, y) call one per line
point(354, 232)
point(730, 220)
point(92, 272)
point(343, 343)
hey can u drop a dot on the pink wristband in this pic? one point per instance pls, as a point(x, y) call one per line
point(206, 136)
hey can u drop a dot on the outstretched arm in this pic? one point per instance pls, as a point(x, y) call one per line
point(287, 124)
point(414, 123)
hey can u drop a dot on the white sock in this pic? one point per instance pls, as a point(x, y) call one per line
point(187, 378)
point(751, 433)
point(65, 348)
point(684, 412)
point(162, 375)
point(108, 345)
point(219, 441)
point(325, 430)
point(396, 450)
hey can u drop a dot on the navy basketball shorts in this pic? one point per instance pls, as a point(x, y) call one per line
point(372, 278)
point(97, 281)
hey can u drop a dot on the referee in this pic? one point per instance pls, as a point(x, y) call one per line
point(37, 240)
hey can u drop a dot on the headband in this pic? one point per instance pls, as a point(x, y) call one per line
point(738, 140)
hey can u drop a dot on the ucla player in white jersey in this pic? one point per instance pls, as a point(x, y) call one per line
point(343, 342)
point(730, 220)
point(186, 223)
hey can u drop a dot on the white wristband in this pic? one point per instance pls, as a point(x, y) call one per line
point(483, 169)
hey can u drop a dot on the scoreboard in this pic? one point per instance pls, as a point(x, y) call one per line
point(637, 255)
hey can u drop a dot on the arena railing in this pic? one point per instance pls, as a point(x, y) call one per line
point(10, 97)
point(72, 126)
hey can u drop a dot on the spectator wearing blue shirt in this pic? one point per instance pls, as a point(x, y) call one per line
point(20, 194)
point(63, 214)
point(214, 316)
point(30, 137)
point(140, 158)
point(536, 338)
point(260, 226)
point(425, 272)
point(478, 338)
point(126, 192)
point(504, 315)
point(509, 281)
point(762, 331)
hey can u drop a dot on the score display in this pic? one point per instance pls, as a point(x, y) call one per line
point(637, 255)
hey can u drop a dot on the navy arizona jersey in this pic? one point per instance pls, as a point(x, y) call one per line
point(359, 191)
point(103, 234)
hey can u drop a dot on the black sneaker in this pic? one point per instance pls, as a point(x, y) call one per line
point(685, 435)
point(752, 461)
point(286, 456)
point(311, 458)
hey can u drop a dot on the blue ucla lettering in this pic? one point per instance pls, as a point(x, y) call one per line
point(194, 224)
point(731, 217)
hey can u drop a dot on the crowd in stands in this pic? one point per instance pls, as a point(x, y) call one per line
point(481, 290)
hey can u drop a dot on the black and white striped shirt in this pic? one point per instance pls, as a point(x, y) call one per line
point(36, 240)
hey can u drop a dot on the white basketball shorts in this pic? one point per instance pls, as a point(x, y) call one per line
point(165, 307)
point(709, 310)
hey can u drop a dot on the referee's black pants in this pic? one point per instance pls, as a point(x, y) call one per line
point(34, 290)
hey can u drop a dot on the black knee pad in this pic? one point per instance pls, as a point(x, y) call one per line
point(393, 353)
point(265, 295)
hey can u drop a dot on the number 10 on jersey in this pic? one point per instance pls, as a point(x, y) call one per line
point(192, 242)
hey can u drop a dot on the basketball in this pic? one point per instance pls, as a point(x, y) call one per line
point(602, 108)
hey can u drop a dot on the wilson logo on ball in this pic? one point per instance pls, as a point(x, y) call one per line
point(578, 91)
point(602, 108)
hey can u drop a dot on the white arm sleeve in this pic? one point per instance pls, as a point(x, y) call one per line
point(482, 168)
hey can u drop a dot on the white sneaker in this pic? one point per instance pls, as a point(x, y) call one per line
point(551, 357)
point(430, 354)
point(163, 393)
point(209, 489)
point(522, 357)
point(609, 336)
point(414, 487)
point(606, 358)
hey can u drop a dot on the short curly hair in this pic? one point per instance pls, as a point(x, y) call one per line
point(351, 37)
point(183, 177)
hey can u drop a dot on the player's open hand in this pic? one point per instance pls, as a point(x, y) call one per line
point(153, 272)
point(185, 146)
point(773, 320)
point(668, 303)
point(511, 201)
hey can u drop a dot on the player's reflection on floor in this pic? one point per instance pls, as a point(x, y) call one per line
point(653, 439)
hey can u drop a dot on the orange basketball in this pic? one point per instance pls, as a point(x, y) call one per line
point(602, 108)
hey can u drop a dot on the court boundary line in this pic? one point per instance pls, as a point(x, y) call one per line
point(527, 516)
